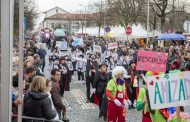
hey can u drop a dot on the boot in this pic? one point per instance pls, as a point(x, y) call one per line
point(100, 115)
point(65, 119)
point(105, 118)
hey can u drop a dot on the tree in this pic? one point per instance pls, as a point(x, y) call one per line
point(162, 8)
point(98, 15)
point(30, 12)
point(125, 11)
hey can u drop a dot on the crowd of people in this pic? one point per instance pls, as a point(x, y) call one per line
point(112, 81)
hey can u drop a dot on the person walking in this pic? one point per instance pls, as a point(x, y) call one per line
point(117, 97)
point(91, 69)
point(42, 53)
point(56, 94)
point(100, 83)
point(80, 67)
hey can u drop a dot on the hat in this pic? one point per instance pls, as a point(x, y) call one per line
point(62, 58)
point(92, 55)
point(103, 63)
point(81, 55)
point(131, 62)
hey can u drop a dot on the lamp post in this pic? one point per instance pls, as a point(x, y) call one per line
point(104, 15)
point(148, 18)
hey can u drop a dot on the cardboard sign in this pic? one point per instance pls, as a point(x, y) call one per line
point(97, 48)
point(151, 61)
point(112, 46)
point(169, 90)
point(77, 41)
point(62, 45)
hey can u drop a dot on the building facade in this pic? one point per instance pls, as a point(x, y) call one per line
point(59, 18)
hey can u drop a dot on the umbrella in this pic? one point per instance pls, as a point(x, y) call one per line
point(171, 36)
point(59, 33)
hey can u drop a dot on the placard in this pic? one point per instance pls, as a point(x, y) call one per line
point(151, 61)
point(97, 48)
point(62, 45)
point(169, 90)
point(112, 46)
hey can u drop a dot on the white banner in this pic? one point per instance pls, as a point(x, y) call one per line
point(169, 90)
point(112, 46)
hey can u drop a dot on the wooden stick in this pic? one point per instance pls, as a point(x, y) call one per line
point(178, 114)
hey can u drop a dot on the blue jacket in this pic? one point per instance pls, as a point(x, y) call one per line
point(42, 53)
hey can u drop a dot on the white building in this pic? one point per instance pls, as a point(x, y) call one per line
point(53, 11)
point(69, 21)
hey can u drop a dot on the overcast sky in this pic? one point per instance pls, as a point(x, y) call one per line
point(68, 5)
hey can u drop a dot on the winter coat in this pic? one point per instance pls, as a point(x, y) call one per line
point(101, 81)
point(56, 97)
point(42, 53)
point(38, 105)
point(89, 66)
point(81, 66)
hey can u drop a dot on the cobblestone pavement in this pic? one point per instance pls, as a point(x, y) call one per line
point(80, 111)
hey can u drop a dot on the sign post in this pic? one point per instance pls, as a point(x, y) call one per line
point(128, 31)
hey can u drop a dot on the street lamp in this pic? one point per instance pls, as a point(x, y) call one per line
point(148, 18)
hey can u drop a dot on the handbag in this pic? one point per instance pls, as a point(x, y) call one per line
point(94, 99)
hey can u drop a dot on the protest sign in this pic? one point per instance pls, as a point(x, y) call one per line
point(112, 46)
point(97, 48)
point(151, 61)
point(169, 90)
point(62, 45)
point(77, 41)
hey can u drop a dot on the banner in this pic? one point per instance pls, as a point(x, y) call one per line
point(169, 90)
point(97, 48)
point(151, 61)
point(112, 46)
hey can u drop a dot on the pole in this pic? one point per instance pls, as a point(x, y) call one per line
point(85, 20)
point(21, 39)
point(148, 14)
point(6, 59)
point(104, 16)
point(188, 29)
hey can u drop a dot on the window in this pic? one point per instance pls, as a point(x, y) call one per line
point(56, 10)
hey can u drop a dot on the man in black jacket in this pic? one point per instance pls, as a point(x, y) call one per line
point(91, 69)
point(56, 94)
point(64, 84)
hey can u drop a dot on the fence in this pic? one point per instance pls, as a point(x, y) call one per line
point(33, 119)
